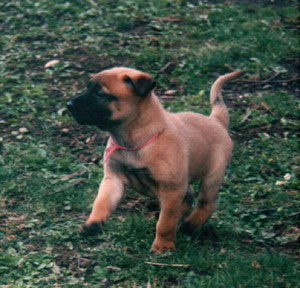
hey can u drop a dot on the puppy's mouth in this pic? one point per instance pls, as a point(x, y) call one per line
point(92, 115)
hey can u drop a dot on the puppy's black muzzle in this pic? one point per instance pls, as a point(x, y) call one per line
point(88, 111)
point(92, 108)
point(79, 108)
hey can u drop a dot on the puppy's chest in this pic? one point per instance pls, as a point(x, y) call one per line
point(139, 179)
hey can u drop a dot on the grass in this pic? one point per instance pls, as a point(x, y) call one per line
point(51, 167)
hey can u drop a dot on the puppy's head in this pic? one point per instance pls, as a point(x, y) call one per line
point(112, 97)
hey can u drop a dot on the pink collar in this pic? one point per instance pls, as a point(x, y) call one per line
point(114, 147)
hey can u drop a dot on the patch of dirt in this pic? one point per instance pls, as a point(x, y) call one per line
point(87, 61)
point(82, 140)
point(273, 128)
point(253, 132)
point(288, 80)
point(263, 3)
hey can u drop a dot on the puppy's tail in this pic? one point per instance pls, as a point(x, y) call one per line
point(219, 109)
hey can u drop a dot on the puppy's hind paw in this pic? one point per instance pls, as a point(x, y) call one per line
point(90, 230)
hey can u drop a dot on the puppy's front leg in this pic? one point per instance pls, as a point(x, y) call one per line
point(109, 195)
point(171, 210)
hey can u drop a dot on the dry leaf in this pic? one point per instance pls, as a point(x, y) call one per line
point(23, 130)
point(55, 269)
point(51, 63)
point(170, 92)
point(113, 268)
point(255, 264)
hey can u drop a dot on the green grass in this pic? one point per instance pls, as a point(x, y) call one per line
point(51, 170)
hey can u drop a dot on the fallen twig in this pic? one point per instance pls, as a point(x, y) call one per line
point(75, 182)
point(77, 173)
point(168, 265)
point(269, 80)
point(261, 81)
point(285, 80)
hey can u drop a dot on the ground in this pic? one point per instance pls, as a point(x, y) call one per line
point(51, 167)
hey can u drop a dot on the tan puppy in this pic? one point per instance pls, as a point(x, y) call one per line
point(155, 151)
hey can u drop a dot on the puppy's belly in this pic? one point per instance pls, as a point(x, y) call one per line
point(140, 179)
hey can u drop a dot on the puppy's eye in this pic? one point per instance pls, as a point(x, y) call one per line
point(105, 96)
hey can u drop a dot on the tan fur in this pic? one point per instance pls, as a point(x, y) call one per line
point(189, 147)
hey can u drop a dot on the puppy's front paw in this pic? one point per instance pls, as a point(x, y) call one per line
point(160, 248)
point(91, 229)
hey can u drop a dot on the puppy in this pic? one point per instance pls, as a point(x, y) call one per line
point(155, 151)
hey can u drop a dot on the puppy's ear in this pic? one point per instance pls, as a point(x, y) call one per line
point(142, 85)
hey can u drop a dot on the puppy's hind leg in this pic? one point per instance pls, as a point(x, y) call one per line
point(187, 201)
point(206, 203)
